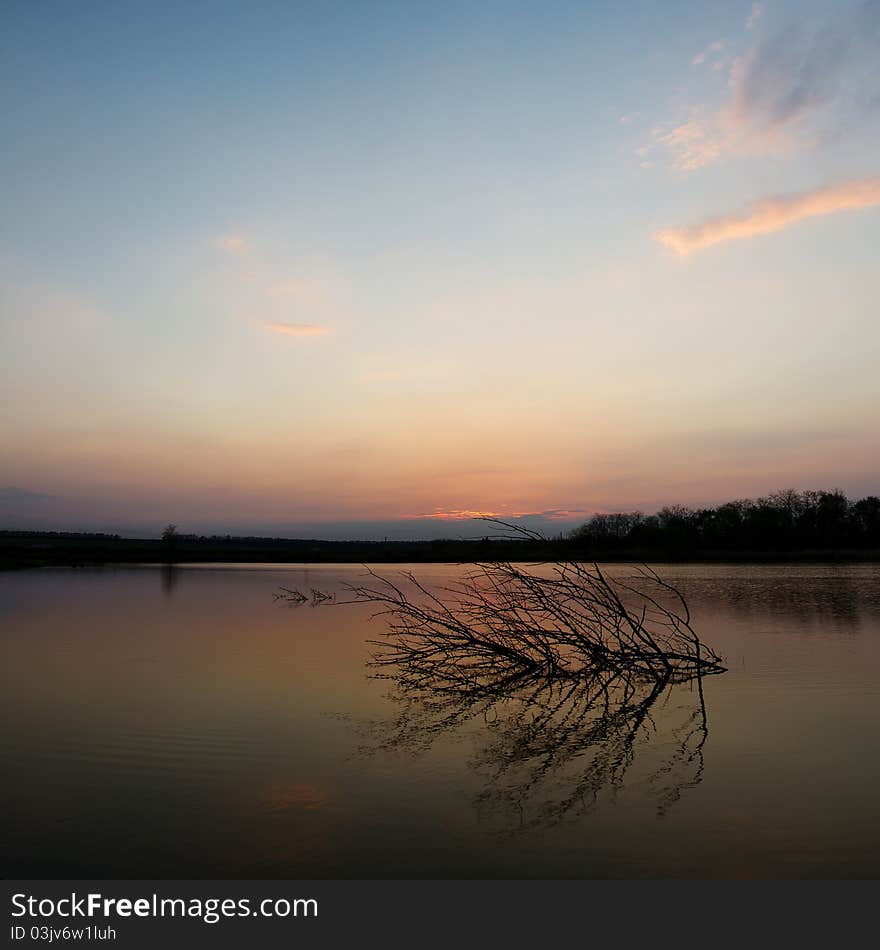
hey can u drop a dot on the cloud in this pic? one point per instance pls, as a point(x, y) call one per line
point(783, 79)
point(296, 329)
point(788, 91)
point(13, 495)
point(297, 306)
point(453, 514)
point(694, 143)
point(772, 214)
point(708, 53)
point(465, 514)
point(231, 244)
point(755, 16)
point(562, 514)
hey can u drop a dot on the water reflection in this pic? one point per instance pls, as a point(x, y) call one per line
point(562, 679)
point(209, 734)
point(835, 597)
point(549, 751)
point(170, 576)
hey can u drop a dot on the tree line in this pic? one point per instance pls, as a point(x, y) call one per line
point(782, 521)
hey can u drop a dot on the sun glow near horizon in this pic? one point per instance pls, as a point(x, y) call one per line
point(349, 281)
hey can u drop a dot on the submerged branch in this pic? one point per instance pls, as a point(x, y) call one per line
point(564, 669)
point(502, 623)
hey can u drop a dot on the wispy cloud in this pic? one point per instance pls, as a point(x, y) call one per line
point(13, 495)
point(694, 143)
point(789, 90)
point(231, 244)
point(771, 214)
point(466, 514)
point(563, 514)
point(297, 329)
point(299, 304)
point(710, 52)
point(755, 15)
point(453, 514)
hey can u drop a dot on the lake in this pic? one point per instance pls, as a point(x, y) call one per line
point(173, 723)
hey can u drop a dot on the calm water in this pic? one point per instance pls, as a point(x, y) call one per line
point(181, 723)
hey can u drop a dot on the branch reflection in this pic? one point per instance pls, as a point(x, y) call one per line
point(551, 750)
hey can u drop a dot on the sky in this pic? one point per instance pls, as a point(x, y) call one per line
point(370, 268)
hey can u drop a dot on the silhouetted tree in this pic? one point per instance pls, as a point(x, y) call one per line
point(170, 537)
point(785, 520)
point(865, 517)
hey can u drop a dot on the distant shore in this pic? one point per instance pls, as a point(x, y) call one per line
point(21, 549)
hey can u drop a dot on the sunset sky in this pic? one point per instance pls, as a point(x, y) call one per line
point(302, 266)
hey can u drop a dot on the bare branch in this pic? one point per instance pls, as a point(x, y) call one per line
point(568, 621)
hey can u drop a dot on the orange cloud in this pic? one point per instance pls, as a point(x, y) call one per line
point(231, 244)
point(467, 514)
point(296, 329)
point(771, 214)
point(454, 514)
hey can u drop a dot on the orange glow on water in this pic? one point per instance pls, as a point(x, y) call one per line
point(283, 796)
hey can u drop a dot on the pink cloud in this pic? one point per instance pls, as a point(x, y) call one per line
point(771, 214)
point(231, 244)
point(786, 92)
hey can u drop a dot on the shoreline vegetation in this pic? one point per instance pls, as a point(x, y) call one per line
point(786, 526)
